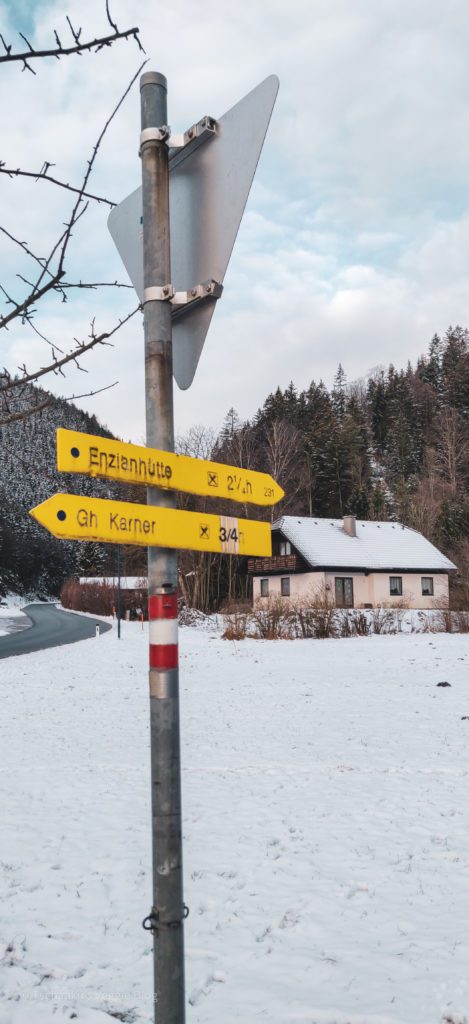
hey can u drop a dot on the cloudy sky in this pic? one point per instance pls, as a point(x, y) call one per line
point(354, 245)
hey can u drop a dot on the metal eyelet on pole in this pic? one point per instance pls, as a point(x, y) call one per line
point(153, 923)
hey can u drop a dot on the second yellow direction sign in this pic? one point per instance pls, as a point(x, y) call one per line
point(73, 517)
point(116, 460)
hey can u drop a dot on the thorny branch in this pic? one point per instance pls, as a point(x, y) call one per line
point(55, 279)
point(60, 50)
point(42, 175)
point(9, 383)
point(50, 274)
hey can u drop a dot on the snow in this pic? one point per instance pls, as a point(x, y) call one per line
point(326, 826)
point(12, 618)
point(387, 545)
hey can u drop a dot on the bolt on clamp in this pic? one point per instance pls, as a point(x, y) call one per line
point(162, 293)
point(202, 129)
point(154, 135)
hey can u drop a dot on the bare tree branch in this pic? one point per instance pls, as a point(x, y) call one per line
point(90, 394)
point(52, 344)
point(10, 383)
point(96, 284)
point(43, 176)
point(38, 290)
point(64, 51)
point(49, 274)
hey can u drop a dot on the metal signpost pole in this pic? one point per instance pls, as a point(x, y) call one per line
point(168, 911)
point(118, 593)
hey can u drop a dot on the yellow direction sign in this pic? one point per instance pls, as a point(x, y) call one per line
point(116, 460)
point(73, 517)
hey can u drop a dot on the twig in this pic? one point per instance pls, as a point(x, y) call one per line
point(111, 22)
point(89, 394)
point(43, 176)
point(65, 51)
point(57, 364)
point(55, 282)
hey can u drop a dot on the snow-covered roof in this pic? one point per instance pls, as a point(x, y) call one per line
point(324, 542)
point(127, 582)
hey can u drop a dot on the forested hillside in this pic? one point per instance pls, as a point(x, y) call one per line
point(395, 446)
point(30, 558)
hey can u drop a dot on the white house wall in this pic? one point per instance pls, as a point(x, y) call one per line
point(372, 589)
point(411, 590)
point(302, 586)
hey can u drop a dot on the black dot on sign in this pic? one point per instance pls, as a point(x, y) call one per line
point(75, 452)
point(61, 515)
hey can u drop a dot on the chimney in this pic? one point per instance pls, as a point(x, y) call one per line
point(350, 526)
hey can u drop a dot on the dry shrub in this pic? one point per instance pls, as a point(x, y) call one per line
point(236, 626)
point(425, 623)
point(304, 619)
point(462, 621)
point(274, 619)
point(324, 622)
point(319, 619)
point(354, 623)
point(386, 620)
point(444, 621)
point(447, 621)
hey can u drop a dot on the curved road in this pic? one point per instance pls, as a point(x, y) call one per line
point(50, 628)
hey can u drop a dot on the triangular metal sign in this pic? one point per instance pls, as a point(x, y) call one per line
point(208, 191)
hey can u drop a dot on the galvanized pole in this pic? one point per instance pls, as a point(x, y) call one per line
point(168, 911)
point(118, 593)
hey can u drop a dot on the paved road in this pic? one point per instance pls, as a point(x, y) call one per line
point(50, 628)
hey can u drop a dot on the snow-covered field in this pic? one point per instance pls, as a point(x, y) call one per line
point(326, 830)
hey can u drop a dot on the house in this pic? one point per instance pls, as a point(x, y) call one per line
point(352, 564)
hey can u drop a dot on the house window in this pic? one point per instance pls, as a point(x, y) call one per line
point(285, 547)
point(427, 586)
point(395, 586)
point(344, 591)
point(285, 586)
point(264, 588)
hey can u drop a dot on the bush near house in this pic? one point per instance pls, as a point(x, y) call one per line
point(277, 619)
point(100, 598)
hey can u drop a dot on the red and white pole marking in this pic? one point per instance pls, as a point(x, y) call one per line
point(163, 623)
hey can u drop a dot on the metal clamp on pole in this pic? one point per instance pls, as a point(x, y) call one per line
point(183, 302)
point(154, 135)
point(162, 293)
point(182, 143)
point(206, 126)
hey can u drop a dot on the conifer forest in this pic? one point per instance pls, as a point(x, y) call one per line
point(392, 446)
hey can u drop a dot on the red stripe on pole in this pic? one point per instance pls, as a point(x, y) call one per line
point(163, 606)
point(164, 656)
